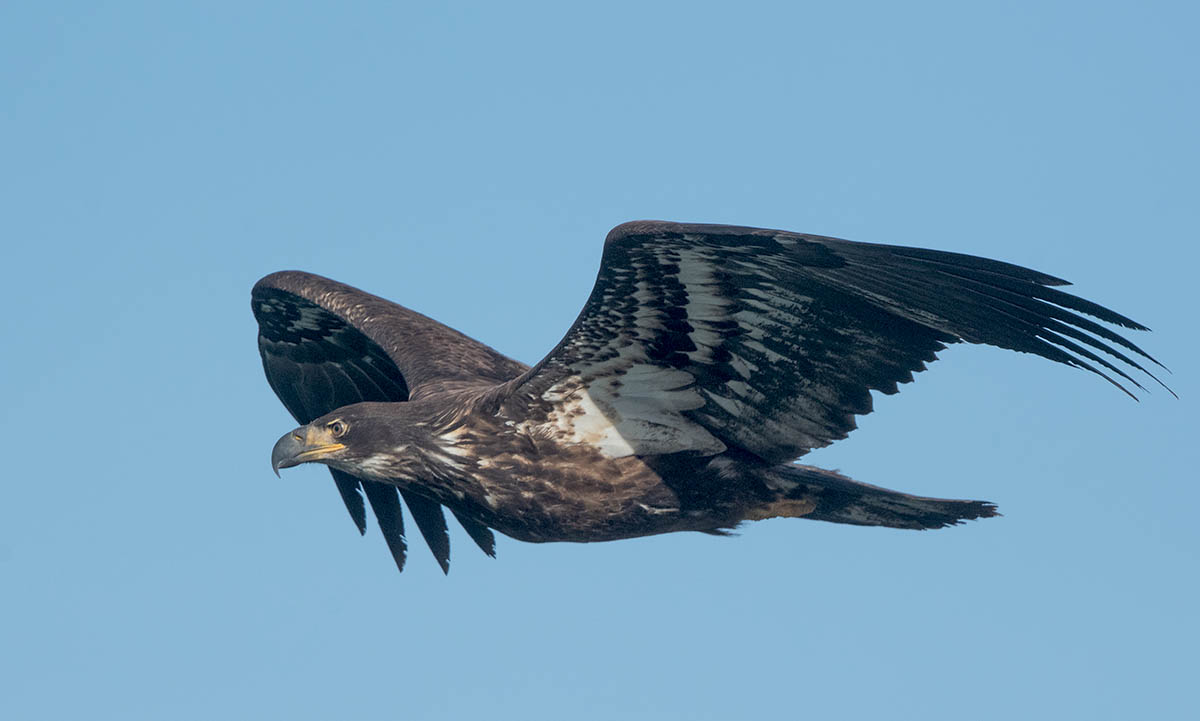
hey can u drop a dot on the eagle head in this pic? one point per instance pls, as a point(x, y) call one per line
point(377, 441)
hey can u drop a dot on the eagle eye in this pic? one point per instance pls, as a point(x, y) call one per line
point(337, 428)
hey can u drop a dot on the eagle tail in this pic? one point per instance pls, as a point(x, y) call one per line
point(838, 499)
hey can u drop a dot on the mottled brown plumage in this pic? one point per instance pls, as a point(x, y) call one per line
point(706, 360)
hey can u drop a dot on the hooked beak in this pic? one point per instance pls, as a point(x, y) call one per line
point(301, 446)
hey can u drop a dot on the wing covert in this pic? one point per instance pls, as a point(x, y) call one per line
point(379, 348)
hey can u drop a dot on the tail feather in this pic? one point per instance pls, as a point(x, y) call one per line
point(841, 500)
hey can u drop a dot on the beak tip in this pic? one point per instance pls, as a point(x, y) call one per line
point(283, 455)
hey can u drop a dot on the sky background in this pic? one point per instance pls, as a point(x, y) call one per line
point(466, 160)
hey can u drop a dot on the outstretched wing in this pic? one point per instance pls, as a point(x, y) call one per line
point(698, 338)
point(325, 345)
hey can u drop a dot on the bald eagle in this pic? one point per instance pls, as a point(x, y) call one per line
point(707, 359)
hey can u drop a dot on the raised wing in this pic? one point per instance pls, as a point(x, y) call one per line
point(697, 338)
point(325, 345)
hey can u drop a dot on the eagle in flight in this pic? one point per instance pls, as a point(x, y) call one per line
point(707, 359)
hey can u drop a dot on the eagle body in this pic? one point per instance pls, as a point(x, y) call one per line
point(534, 485)
point(706, 361)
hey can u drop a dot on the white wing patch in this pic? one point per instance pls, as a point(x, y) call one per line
point(577, 419)
point(638, 414)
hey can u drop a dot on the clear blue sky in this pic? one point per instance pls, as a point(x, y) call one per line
point(467, 160)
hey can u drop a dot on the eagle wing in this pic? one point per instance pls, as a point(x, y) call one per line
point(698, 338)
point(325, 345)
